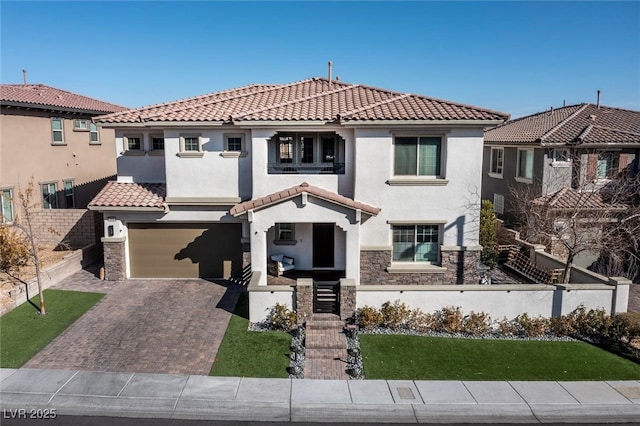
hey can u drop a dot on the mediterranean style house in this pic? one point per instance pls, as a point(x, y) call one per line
point(577, 147)
point(316, 176)
point(47, 133)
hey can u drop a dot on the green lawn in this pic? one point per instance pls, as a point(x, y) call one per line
point(439, 358)
point(24, 332)
point(245, 353)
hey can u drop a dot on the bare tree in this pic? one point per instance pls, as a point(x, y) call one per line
point(19, 242)
point(600, 219)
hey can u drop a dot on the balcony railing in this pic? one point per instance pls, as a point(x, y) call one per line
point(306, 168)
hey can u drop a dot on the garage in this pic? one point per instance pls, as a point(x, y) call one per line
point(190, 250)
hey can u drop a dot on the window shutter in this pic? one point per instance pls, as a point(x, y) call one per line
point(592, 166)
point(623, 162)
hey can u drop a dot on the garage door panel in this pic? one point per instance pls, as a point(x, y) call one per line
point(184, 250)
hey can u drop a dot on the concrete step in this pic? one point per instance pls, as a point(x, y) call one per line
point(324, 325)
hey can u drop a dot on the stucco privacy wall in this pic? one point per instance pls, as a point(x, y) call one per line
point(456, 203)
point(74, 228)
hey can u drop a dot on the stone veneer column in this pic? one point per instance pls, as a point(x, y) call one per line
point(347, 298)
point(462, 264)
point(114, 258)
point(304, 299)
point(373, 265)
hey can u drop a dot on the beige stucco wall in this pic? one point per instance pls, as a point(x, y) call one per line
point(26, 150)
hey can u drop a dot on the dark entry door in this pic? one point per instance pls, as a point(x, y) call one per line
point(323, 245)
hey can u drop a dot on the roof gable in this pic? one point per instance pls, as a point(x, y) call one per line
point(294, 191)
point(40, 95)
point(314, 99)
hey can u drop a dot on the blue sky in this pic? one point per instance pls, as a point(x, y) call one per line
point(516, 57)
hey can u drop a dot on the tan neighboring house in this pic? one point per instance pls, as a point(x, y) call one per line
point(47, 133)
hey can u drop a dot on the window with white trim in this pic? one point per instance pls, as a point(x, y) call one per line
point(497, 160)
point(191, 145)
point(525, 164)
point(157, 143)
point(416, 243)
point(69, 194)
point(285, 232)
point(498, 203)
point(560, 155)
point(417, 156)
point(80, 125)
point(57, 130)
point(94, 133)
point(6, 206)
point(233, 143)
point(133, 142)
point(49, 195)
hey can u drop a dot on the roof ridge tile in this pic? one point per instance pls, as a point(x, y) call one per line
point(562, 123)
point(398, 97)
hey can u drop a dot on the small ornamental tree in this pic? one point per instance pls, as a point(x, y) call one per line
point(488, 235)
point(18, 242)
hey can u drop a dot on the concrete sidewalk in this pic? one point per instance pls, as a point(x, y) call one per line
point(250, 399)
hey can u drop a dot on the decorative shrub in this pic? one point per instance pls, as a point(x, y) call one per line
point(450, 319)
point(476, 324)
point(421, 321)
point(488, 235)
point(532, 327)
point(280, 317)
point(369, 317)
point(394, 315)
point(507, 327)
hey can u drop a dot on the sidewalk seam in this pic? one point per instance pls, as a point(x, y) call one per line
point(125, 385)
point(65, 383)
point(525, 401)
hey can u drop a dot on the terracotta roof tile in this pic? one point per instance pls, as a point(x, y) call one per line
point(315, 99)
point(585, 124)
point(569, 199)
point(124, 194)
point(285, 194)
point(47, 96)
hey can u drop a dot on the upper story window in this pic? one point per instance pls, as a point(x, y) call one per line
point(607, 165)
point(190, 145)
point(6, 206)
point(132, 142)
point(524, 172)
point(49, 195)
point(69, 194)
point(498, 203)
point(416, 243)
point(157, 142)
point(497, 160)
point(308, 153)
point(81, 125)
point(57, 131)
point(94, 134)
point(234, 146)
point(417, 156)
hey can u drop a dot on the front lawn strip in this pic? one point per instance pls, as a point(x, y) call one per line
point(402, 357)
point(25, 332)
point(244, 353)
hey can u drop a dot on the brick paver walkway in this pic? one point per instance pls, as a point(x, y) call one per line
point(87, 280)
point(325, 348)
point(148, 326)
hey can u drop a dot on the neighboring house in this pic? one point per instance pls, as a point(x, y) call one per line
point(578, 146)
point(47, 133)
point(375, 185)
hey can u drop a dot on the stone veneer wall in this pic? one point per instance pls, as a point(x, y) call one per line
point(114, 260)
point(347, 299)
point(304, 299)
point(462, 268)
point(75, 228)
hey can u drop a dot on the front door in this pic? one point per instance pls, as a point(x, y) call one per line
point(323, 245)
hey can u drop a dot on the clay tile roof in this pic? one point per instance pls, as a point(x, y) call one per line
point(294, 191)
point(47, 97)
point(124, 194)
point(315, 99)
point(585, 124)
point(569, 199)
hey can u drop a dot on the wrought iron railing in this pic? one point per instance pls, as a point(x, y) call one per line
point(306, 168)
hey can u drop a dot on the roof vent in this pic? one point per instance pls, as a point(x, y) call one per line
point(592, 117)
point(330, 70)
point(598, 100)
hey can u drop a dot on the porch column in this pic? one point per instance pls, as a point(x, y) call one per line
point(259, 252)
point(352, 261)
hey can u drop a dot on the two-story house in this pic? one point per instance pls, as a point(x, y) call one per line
point(373, 184)
point(47, 133)
point(579, 146)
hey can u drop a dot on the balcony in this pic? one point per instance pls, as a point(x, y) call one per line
point(306, 168)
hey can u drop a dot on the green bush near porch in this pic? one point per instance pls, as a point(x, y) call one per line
point(402, 357)
point(244, 353)
point(24, 332)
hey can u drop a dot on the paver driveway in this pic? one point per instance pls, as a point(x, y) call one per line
point(150, 326)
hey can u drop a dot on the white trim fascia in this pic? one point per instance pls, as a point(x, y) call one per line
point(417, 222)
point(416, 181)
point(126, 209)
point(159, 124)
point(531, 145)
point(203, 201)
point(376, 248)
point(282, 123)
point(413, 123)
point(113, 239)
